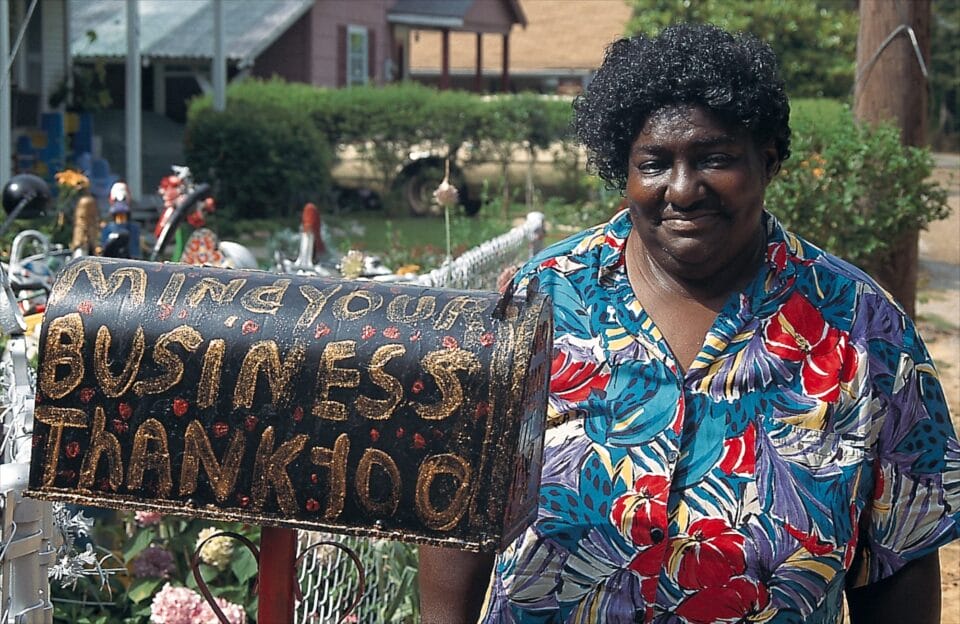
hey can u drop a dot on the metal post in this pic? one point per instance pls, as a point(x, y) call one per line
point(278, 554)
point(26, 526)
point(6, 134)
point(219, 59)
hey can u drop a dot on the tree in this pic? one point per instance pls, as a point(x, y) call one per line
point(944, 73)
point(891, 87)
point(815, 41)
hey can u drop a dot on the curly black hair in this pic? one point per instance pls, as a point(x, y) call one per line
point(733, 75)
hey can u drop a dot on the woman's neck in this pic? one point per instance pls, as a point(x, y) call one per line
point(648, 274)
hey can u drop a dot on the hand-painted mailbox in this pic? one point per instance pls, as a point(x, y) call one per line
point(357, 407)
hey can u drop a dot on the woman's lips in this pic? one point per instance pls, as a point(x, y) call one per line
point(690, 222)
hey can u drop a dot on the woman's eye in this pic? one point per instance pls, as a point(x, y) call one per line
point(650, 166)
point(717, 160)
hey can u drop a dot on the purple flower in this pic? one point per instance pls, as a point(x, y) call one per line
point(154, 562)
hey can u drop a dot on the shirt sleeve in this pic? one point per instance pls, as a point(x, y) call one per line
point(915, 507)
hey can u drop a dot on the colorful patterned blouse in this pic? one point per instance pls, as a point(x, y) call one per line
point(809, 441)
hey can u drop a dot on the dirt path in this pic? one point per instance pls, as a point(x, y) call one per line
point(938, 312)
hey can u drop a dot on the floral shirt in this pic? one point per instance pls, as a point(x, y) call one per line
point(809, 442)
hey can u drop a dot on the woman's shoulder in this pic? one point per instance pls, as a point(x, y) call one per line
point(592, 248)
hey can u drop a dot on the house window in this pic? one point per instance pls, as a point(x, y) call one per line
point(358, 61)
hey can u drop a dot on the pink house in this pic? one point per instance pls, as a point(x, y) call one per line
point(330, 43)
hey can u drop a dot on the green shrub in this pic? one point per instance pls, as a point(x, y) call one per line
point(265, 160)
point(852, 189)
point(384, 125)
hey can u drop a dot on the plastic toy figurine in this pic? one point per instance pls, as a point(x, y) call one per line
point(121, 237)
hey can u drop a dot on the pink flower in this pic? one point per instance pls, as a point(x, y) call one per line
point(148, 518)
point(180, 605)
point(798, 333)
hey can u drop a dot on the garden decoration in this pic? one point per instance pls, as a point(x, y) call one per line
point(120, 238)
point(188, 203)
point(383, 410)
point(446, 195)
point(25, 195)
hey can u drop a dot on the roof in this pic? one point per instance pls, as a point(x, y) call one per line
point(455, 14)
point(562, 36)
point(181, 29)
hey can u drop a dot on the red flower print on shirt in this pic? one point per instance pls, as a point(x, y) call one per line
point(734, 602)
point(710, 554)
point(573, 380)
point(641, 515)
point(810, 542)
point(798, 333)
point(740, 453)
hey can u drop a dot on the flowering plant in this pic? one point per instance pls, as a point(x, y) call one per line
point(70, 186)
point(157, 585)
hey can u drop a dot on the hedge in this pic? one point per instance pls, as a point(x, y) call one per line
point(264, 159)
point(384, 123)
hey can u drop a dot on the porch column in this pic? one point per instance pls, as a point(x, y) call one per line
point(445, 61)
point(134, 175)
point(505, 74)
point(478, 77)
point(160, 87)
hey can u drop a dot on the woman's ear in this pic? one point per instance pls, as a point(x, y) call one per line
point(771, 160)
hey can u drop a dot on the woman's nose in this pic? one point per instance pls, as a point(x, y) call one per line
point(684, 187)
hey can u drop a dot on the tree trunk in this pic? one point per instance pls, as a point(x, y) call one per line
point(893, 89)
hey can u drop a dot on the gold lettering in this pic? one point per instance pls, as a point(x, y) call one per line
point(101, 441)
point(375, 457)
point(265, 299)
point(101, 286)
point(330, 376)
point(172, 290)
point(452, 466)
point(115, 386)
point(381, 409)
point(270, 471)
point(444, 365)
point(219, 292)
point(470, 308)
point(64, 348)
point(316, 301)
point(265, 355)
point(185, 336)
point(209, 386)
point(150, 433)
point(335, 461)
point(397, 309)
point(57, 418)
point(198, 451)
point(370, 300)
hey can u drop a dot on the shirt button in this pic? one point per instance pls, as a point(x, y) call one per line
point(672, 456)
point(656, 534)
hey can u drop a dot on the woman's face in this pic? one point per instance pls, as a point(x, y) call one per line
point(695, 190)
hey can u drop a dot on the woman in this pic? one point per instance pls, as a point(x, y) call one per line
point(741, 427)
